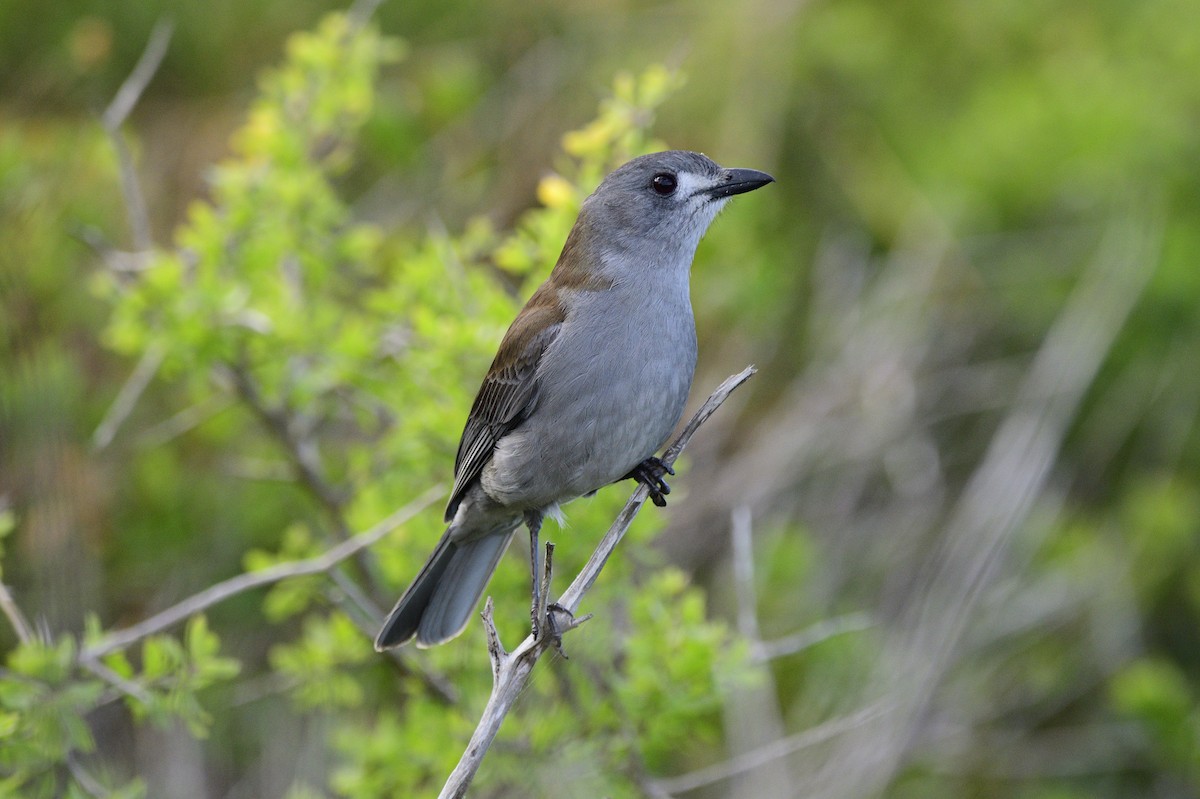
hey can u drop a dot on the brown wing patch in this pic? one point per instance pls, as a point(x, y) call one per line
point(509, 391)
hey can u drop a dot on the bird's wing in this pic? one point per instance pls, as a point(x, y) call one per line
point(508, 393)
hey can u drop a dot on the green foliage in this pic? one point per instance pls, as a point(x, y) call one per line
point(673, 681)
point(289, 597)
point(173, 674)
point(47, 704)
point(320, 667)
point(1157, 694)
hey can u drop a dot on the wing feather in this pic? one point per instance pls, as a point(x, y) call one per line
point(509, 391)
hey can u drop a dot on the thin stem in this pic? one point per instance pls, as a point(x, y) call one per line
point(116, 114)
point(15, 617)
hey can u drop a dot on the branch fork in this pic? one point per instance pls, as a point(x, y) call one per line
point(511, 670)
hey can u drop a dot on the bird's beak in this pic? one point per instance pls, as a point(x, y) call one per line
point(738, 181)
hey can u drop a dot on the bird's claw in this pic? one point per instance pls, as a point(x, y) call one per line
point(552, 628)
point(650, 474)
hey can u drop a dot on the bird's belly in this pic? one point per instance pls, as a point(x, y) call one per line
point(607, 399)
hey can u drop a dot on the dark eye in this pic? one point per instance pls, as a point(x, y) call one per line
point(663, 184)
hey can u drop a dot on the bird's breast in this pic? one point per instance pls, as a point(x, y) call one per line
point(611, 387)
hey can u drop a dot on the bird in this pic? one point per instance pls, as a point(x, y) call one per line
point(588, 382)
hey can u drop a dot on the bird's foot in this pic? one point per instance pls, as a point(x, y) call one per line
point(559, 620)
point(650, 474)
point(550, 619)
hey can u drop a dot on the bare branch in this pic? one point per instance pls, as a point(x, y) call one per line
point(139, 219)
point(742, 540)
point(752, 715)
point(83, 778)
point(361, 11)
point(187, 419)
point(128, 396)
point(812, 635)
point(759, 757)
point(346, 594)
point(116, 114)
point(300, 450)
point(511, 670)
point(127, 687)
point(143, 72)
point(251, 580)
point(15, 617)
point(8, 605)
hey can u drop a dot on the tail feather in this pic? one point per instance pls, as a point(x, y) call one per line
point(460, 587)
point(438, 604)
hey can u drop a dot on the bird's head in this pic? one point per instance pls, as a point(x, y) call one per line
point(665, 200)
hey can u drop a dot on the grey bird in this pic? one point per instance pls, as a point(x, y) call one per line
point(588, 383)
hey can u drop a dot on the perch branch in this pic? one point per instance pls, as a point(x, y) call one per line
point(511, 670)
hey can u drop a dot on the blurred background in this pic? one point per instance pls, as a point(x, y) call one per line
point(953, 524)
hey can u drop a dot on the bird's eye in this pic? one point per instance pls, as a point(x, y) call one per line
point(663, 184)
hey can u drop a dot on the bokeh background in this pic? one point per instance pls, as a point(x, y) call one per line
point(949, 532)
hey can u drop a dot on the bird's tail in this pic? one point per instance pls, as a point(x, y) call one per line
point(438, 604)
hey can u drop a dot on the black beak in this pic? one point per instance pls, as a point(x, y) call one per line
point(739, 181)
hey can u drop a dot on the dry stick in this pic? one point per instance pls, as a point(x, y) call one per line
point(139, 219)
point(823, 630)
point(251, 580)
point(510, 671)
point(16, 618)
point(84, 778)
point(116, 114)
point(742, 545)
point(777, 749)
point(752, 715)
point(299, 448)
point(128, 396)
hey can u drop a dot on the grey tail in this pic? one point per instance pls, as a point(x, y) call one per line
point(438, 604)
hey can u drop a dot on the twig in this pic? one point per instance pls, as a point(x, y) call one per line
point(366, 616)
point(759, 757)
point(360, 12)
point(8, 605)
point(131, 90)
point(111, 677)
point(187, 419)
point(811, 636)
point(510, 670)
point(752, 716)
point(300, 451)
point(128, 396)
point(742, 541)
point(116, 114)
point(84, 779)
point(251, 580)
point(139, 219)
point(15, 617)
